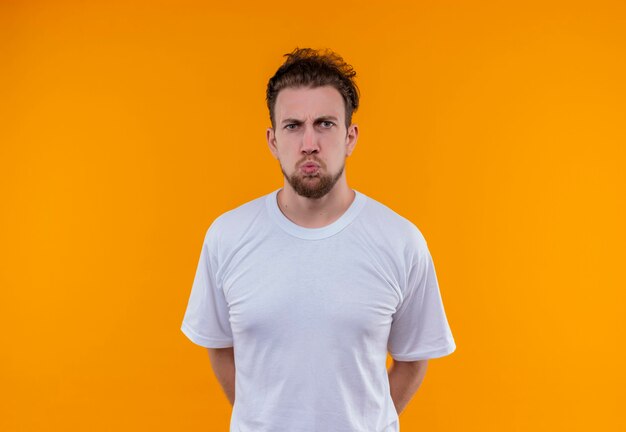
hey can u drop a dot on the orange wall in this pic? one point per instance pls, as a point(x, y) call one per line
point(127, 127)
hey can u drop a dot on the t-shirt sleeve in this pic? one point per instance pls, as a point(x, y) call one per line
point(206, 321)
point(420, 329)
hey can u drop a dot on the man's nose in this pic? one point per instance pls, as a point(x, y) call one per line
point(309, 141)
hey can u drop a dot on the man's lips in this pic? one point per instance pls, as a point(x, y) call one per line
point(309, 167)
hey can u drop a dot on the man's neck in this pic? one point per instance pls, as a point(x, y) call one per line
point(315, 213)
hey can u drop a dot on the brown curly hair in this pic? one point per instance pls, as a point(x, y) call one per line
point(306, 67)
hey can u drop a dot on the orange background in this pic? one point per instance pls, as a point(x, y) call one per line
point(497, 127)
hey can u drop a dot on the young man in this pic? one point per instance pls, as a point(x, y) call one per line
point(300, 293)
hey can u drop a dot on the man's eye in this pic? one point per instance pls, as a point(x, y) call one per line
point(327, 124)
point(289, 126)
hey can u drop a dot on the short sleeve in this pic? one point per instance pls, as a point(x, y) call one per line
point(420, 329)
point(206, 321)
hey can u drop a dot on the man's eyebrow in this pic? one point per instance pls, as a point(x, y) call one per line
point(325, 118)
point(291, 120)
point(317, 120)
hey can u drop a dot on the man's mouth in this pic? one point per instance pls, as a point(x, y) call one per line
point(309, 168)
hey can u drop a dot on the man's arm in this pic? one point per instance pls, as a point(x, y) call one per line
point(223, 364)
point(404, 380)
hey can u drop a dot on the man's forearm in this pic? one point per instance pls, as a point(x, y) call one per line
point(404, 380)
point(223, 364)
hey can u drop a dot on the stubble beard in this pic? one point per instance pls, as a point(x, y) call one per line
point(313, 186)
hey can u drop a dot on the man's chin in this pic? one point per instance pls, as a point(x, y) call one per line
point(312, 187)
point(312, 194)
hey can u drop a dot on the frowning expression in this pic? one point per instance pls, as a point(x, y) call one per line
point(310, 139)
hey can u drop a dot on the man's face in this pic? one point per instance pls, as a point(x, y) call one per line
point(310, 139)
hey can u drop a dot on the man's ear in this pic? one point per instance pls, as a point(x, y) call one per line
point(270, 135)
point(351, 137)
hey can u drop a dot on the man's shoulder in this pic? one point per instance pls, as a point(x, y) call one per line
point(392, 224)
point(236, 221)
point(242, 212)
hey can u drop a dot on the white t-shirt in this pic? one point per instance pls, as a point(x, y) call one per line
point(311, 313)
